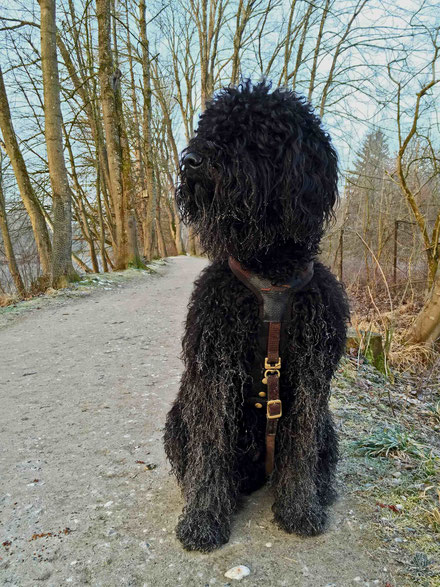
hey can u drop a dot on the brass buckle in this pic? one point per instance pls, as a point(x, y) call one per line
point(268, 366)
point(271, 403)
point(273, 369)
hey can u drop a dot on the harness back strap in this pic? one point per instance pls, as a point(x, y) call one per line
point(272, 301)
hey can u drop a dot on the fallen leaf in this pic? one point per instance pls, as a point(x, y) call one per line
point(393, 508)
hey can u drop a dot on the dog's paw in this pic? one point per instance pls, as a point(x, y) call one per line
point(328, 496)
point(202, 531)
point(306, 522)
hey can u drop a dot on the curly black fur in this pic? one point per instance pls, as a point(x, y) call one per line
point(263, 192)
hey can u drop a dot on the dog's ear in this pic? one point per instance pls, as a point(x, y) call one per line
point(312, 181)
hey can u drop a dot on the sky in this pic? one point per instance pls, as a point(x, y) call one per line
point(385, 31)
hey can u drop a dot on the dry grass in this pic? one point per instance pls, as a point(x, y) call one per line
point(392, 318)
point(39, 285)
point(433, 518)
point(7, 300)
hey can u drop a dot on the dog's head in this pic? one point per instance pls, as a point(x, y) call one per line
point(260, 171)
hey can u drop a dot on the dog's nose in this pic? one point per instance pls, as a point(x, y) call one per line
point(193, 159)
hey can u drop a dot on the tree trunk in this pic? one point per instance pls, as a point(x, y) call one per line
point(139, 162)
point(426, 327)
point(62, 268)
point(191, 242)
point(30, 201)
point(135, 258)
point(161, 246)
point(147, 147)
point(81, 215)
point(179, 242)
point(9, 251)
point(160, 240)
point(101, 222)
point(109, 81)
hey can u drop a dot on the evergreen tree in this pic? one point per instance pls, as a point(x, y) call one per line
point(372, 203)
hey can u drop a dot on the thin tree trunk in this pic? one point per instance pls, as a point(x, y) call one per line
point(30, 201)
point(147, 116)
point(81, 263)
point(139, 163)
point(431, 245)
point(317, 50)
point(161, 246)
point(191, 242)
point(178, 224)
point(302, 42)
point(9, 250)
point(290, 39)
point(241, 20)
point(81, 213)
point(95, 125)
point(109, 82)
point(101, 222)
point(62, 268)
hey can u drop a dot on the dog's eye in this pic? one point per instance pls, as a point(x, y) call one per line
point(193, 159)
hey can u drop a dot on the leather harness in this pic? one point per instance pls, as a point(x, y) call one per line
point(273, 301)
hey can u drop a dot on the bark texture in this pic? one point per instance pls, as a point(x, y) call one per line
point(9, 251)
point(118, 155)
point(149, 221)
point(27, 194)
point(426, 328)
point(62, 268)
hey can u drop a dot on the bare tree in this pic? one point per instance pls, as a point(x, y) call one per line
point(109, 78)
point(27, 193)
point(62, 268)
point(147, 135)
point(7, 242)
point(432, 245)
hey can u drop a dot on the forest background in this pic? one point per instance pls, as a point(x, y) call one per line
point(98, 97)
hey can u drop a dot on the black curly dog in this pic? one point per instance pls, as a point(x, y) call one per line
point(258, 182)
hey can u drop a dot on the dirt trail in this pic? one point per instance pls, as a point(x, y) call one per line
point(86, 495)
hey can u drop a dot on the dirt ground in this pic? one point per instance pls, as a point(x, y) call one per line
point(86, 494)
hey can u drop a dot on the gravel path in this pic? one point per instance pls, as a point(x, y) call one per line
point(86, 496)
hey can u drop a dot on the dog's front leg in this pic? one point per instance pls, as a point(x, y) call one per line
point(202, 429)
point(209, 487)
point(298, 505)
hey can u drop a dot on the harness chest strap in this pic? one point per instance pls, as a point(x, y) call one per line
point(272, 301)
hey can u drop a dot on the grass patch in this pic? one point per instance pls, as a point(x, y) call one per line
point(433, 518)
point(434, 412)
point(389, 441)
